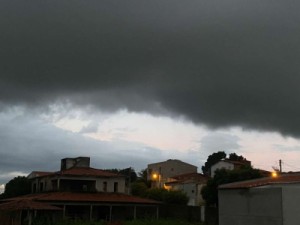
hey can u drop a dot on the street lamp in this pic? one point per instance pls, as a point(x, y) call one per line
point(274, 174)
point(156, 177)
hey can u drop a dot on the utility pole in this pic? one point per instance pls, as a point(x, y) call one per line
point(280, 165)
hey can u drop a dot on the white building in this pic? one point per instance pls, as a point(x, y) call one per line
point(161, 172)
point(77, 175)
point(228, 165)
point(191, 184)
point(261, 201)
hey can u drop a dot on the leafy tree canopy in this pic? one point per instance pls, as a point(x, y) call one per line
point(129, 173)
point(211, 160)
point(216, 157)
point(20, 185)
point(168, 197)
point(139, 188)
point(222, 176)
point(235, 157)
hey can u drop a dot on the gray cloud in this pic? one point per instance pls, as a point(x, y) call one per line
point(29, 143)
point(219, 63)
point(215, 142)
point(283, 148)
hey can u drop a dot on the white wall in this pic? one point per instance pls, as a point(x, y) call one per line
point(256, 206)
point(291, 205)
point(220, 165)
point(110, 184)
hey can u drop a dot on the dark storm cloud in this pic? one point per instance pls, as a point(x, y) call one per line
point(221, 63)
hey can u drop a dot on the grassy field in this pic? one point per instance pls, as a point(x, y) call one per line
point(133, 222)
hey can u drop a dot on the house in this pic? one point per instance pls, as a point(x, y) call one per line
point(228, 165)
point(191, 184)
point(76, 191)
point(77, 175)
point(161, 172)
point(269, 200)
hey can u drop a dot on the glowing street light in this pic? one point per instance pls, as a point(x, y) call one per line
point(154, 176)
point(274, 174)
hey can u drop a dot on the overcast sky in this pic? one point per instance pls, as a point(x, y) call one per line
point(135, 82)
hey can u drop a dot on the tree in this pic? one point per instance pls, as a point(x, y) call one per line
point(222, 176)
point(129, 173)
point(17, 186)
point(211, 160)
point(142, 175)
point(235, 157)
point(168, 197)
point(139, 188)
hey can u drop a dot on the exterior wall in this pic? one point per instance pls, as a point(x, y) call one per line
point(259, 206)
point(167, 169)
point(192, 190)
point(68, 163)
point(43, 184)
point(110, 184)
point(220, 165)
point(290, 201)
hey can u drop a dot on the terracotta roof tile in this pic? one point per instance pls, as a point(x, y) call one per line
point(191, 176)
point(283, 179)
point(241, 163)
point(84, 197)
point(34, 174)
point(86, 171)
point(187, 178)
point(24, 204)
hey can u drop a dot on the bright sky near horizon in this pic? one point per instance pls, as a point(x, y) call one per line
point(131, 82)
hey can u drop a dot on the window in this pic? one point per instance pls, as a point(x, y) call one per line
point(41, 186)
point(105, 186)
point(116, 187)
point(84, 187)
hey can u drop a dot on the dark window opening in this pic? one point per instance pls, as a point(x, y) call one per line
point(105, 186)
point(41, 186)
point(116, 187)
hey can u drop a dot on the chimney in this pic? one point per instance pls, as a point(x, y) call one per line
point(68, 163)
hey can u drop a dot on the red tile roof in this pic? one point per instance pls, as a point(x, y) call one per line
point(26, 204)
point(188, 177)
point(283, 179)
point(34, 174)
point(86, 171)
point(75, 171)
point(84, 197)
point(240, 163)
point(191, 176)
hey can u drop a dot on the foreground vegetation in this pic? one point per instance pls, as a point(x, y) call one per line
point(133, 222)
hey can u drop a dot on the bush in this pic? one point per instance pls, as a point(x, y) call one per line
point(169, 197)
